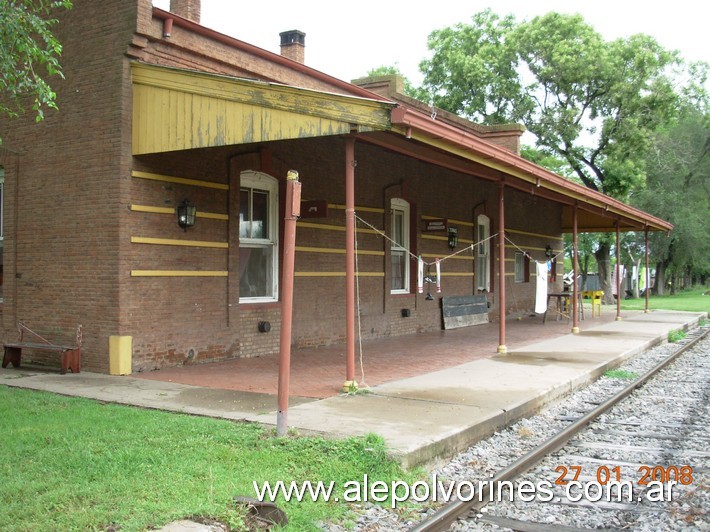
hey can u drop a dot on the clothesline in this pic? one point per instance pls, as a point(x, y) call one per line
point(530, 256)
point(470, 247)
point(416, 257)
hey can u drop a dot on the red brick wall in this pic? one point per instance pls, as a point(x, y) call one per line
point(72, 234)
point(65, 226)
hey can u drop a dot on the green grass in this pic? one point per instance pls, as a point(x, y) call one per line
point(77, 464)
point(620, 374)
point(676, 335)
point(691, 300)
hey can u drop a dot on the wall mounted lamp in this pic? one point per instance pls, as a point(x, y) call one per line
point(453, 237)
point(548, 252)
point(186, 213)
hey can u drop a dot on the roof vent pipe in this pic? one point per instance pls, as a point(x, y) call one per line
point(293, 45)
point(189, 9)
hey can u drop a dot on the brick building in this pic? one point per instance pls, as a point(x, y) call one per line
point(157, 109)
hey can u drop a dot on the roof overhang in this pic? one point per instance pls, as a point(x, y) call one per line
point(597, 212)
point(176, 109)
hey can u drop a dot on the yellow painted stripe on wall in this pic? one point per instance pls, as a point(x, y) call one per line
point(517, 232)
point(179, 180)
point(457, 274)
point(178, 273)
point(327, 227)
point(174, 242)
point(450, 220)
point(456, 257)
point(528, 248)
point(307, 249)
point(337, 274)
point(446, 239)
point(167, 210)
point(361, 209)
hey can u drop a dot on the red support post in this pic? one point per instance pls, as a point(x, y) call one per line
point(575, 267)
point(501, 268)
point(648, 271)
point(618, 272)
point(293, 211)
point(350, 164)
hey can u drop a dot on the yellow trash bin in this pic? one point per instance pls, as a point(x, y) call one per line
point(120, 355)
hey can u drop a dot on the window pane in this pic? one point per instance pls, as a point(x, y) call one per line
point(244, 224)
point(519, 267)
point(399, 263)
point(260, 214)
point(398, 228)
point(255, 265)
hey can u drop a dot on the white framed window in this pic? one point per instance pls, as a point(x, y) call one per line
point(483, 253)
point(399, 251)
point(519, 267)
point(258, 238)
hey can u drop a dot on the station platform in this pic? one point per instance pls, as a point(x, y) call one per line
point(429, 395)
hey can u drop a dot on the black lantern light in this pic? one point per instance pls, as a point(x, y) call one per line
point(453, 237)
point(186, 213)
point(548, 252)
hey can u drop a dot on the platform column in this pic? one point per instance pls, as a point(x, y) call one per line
point(648, 272)
point(350, 164)
point(575, 267)
point(618, 272)
point(293, 211)
point(501, 268)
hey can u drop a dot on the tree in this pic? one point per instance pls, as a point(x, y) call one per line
point(678, 189)
point(29, 54)
point(591, 102)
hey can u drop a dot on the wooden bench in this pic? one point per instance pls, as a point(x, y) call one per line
point(462, 311)
point(70, 355)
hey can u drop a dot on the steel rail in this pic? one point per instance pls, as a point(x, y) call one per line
point(444, 517)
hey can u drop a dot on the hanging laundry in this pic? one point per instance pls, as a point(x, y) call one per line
point(438, 276)
point(541, 287)
point(420, 275)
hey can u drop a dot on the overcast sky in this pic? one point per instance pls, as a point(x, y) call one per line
point(346, 40)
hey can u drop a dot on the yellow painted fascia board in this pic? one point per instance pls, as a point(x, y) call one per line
point(167, 210)
point(361, 111)
point(179, 273)
point(174, 242)
point(178, 180)
point(457, 274)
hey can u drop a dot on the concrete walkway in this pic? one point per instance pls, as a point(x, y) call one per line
point(423, 417)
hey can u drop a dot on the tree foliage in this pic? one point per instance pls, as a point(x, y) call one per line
point(589, 101)
point(29, 55)
point(678, 190)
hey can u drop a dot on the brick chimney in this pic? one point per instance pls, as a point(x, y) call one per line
point(189, 9)
point(293, 45)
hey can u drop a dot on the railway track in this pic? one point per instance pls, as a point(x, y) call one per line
point(637, 459)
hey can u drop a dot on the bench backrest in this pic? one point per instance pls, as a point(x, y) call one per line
point(462, 311)
point(22, 329)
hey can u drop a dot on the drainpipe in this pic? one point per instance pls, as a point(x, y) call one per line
point(648, 272)
point(501, 269)
point(618, 272)
point(293, 210)
point(350, 164)
point(575, 267)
